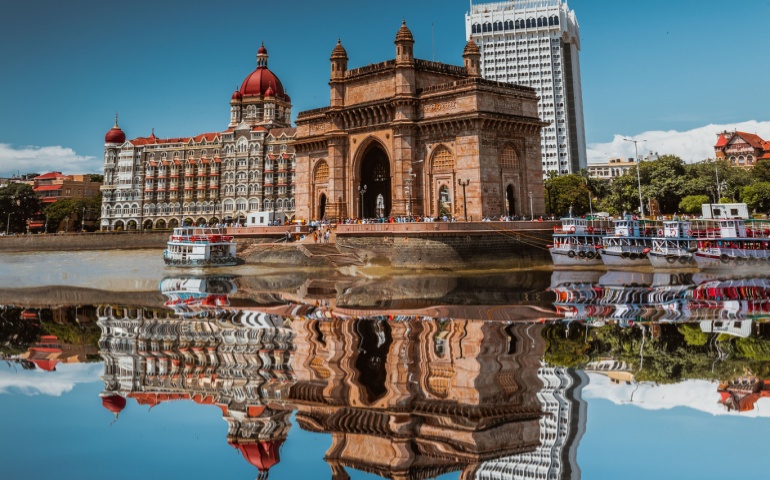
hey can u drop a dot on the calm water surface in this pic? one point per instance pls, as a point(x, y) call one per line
point(117, 367)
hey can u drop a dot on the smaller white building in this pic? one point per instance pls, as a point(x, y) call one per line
point(264, 219)
point(725, 210)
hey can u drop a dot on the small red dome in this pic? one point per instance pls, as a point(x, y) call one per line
point(114, 403)
point(237, 95)
point(262, 50)
point(115, 135)
point(269, 92)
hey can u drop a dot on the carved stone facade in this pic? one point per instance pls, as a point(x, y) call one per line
point(410, 131)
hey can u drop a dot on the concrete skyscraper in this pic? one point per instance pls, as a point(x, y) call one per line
point(536, 43)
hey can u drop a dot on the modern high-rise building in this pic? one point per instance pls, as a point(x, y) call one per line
point(536, 43)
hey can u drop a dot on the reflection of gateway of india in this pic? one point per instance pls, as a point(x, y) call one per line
point(409, 131)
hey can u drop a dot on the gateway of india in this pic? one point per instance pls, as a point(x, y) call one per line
point(412, 132)
point(404, 137)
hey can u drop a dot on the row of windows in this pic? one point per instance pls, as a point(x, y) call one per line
point(515, 25)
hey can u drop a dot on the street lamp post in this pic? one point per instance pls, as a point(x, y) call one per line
point(465, 203)
point(361, 191)
point(83, 221)
point(638, 176)
point(531, 209)
point(8, 222)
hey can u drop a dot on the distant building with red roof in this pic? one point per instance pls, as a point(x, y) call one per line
point(215, 177)
point(741, 149)
point(741, 394)
point(54, 186)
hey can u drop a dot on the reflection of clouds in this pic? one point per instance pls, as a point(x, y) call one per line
point(699, 395)
point(38, 382)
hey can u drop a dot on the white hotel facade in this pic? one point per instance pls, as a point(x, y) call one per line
point(536, 43)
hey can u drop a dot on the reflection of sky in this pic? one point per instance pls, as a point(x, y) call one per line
point(698, 395)
point(13, 379)
point(674, 433)
point(66, 432)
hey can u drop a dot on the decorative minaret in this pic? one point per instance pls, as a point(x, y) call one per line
point(472, 59)
point(339, 61)
point(405, 76)
point(262, 56)
point(235, 108)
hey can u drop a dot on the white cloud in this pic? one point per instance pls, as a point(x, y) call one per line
point(29, 159)
point(698, 395)
point(56, 383)
point(691, 145)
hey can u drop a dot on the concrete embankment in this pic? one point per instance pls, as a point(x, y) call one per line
point(405, 245)
point(83, 241)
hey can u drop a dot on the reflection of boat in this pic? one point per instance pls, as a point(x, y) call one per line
point(189, 293)
point(199, 247)
point(577, 242)
point(736, 244)
point(629, 243)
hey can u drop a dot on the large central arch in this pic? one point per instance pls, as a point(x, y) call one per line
point(375, 174)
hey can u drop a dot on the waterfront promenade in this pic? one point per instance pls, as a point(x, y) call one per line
point(408, 245)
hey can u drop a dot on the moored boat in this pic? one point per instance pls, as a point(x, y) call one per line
point(628, 243)
point(674, 245)
point(738, 244)
point(200, 247)
point(577, 242)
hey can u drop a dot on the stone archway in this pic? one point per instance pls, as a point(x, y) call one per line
point(375, 175)
point(322, 206)
point(510, 201)
point(147, 225)
point(160, 224)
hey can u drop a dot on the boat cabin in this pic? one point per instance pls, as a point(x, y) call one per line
point(627, 227)
point(732, 228)
point(677, 229)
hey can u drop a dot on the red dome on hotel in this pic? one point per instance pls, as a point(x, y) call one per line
point(258, 82)
point(115, 134)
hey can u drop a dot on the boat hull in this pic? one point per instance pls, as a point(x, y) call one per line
point(614, 258)
point(662, 261)
point(201, 262)
point(562, 258)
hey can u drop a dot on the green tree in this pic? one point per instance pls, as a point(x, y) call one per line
point(18, 203)
point(761, 171)
point(757, 196)
point(95, 177)
point(565, 191)
point(692, 203)
point(664, 180)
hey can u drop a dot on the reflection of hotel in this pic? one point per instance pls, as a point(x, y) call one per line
point(418, 399)
point(241, 366)
point(741, 394)
point(561, 429)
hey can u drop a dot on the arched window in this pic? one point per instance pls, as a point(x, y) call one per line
point(476, 28)
point(509, 24)
point(443, 160)
point(488, 27)
point(531, 23)
point(321, 174)
point(509, 160)
point(555, 20)
point(498, 26)
point(254, 204)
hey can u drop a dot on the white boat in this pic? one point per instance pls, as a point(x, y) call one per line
point(674, 245)
point(628, 243)
point(577, 242)
point(199, 247)
point(737, 244)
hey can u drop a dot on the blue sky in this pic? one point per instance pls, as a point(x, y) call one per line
point(653, 66)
